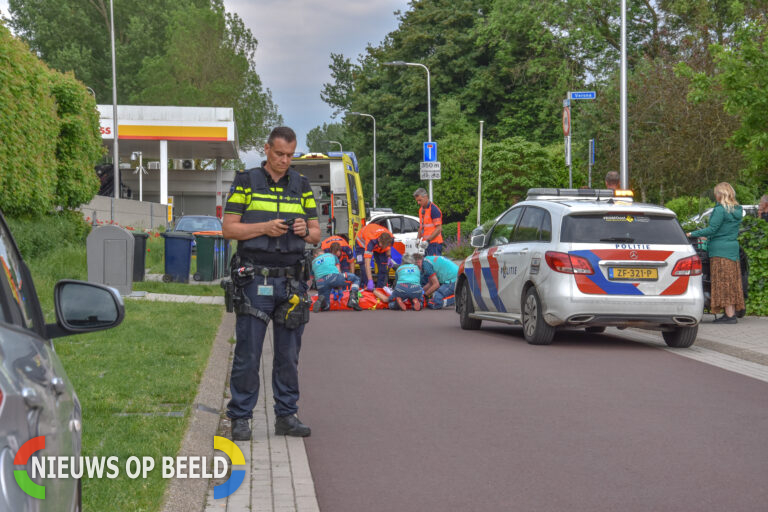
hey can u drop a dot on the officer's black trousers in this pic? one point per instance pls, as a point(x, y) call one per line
point(250, 332)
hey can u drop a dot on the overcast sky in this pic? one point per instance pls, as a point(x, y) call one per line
point(296, 38)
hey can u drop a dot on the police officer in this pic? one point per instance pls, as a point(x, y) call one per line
point(272, 213)
point(430, 223)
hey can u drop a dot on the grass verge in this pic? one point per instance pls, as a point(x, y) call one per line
point(129, 378)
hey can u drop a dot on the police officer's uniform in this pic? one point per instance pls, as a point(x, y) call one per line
point(279, 274)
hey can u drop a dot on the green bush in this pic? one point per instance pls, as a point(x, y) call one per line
point(50, 134)
point(688, 206)
point(754, 241)
point(37, 235)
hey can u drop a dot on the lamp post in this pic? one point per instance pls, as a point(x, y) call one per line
point(374, 152)
point(429, 104)
point(335, 142)
point(116, 159)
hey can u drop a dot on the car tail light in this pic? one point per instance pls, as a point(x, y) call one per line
point(690, 266)
point(568, 263)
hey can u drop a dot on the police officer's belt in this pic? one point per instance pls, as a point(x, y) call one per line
point(292, 272)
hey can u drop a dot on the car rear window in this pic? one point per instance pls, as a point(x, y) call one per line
point(622, 228)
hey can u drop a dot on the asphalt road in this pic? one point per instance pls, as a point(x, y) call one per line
point(410, 413)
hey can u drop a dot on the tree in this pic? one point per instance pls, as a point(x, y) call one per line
point(187, 52)
point(740, 82)
point(208, 61)
point(74, 35)
point(318, 137)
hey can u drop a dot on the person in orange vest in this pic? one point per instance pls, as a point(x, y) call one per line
point(430, 223)
point(347, 255)
point(374, 242)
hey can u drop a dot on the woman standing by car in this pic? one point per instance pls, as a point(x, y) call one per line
point(723, 249)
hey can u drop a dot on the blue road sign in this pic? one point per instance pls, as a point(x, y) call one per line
point(430, 152)
point(583, 95)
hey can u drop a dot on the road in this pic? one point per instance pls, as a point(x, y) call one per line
point(410, 413)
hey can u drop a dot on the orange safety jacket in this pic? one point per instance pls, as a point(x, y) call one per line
point(367, 239)
point(346, 250)
point(429, 218)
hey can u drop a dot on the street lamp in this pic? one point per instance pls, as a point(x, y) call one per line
point(116, 159)
point(429, 104)
point(335, 142)
point(374, 152)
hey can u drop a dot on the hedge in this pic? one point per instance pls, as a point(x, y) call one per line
point(49, 131)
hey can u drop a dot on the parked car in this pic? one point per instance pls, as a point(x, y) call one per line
point(702, 219)
point(583, 258)
point(194, 223)
point(36, 396)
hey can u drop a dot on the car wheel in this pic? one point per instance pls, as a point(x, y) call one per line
point(595, 329)
point(464, 308)
point(681, 337)
point(535, 329)
point(197, 277)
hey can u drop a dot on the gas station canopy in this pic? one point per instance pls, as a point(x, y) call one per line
point(190, 132)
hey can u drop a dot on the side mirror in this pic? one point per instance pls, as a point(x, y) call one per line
point(478, 241)
point(84, 307)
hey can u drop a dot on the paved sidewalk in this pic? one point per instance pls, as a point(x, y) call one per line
point(279, 478)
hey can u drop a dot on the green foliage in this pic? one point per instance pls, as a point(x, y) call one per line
point(208, 61)
point(51, 137)
point(510, 168)
point(318, 138)
point(688, 206)
point(754, 241)
point(38, 235)
point(79, 142)
point(28, 127)
point(169, 52)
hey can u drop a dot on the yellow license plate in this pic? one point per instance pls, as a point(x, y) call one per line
point(632, 274)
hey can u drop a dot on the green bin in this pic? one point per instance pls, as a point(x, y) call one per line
point(207, 252)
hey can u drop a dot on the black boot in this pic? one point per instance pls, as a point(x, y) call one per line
point(291, 426)
point(352, 302)
point(241, 431)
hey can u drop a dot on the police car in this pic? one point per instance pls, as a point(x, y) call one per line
point(583, 258)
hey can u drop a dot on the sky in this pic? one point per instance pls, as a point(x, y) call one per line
point(296, 38)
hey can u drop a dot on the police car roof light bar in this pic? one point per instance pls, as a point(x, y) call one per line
point(578, 193)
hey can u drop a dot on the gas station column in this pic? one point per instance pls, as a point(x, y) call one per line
point(164, 172)
point(219, 212)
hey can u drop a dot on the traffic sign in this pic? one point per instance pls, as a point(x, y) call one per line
point(567, 121)
point(430, 152)
point(430, 170)
point(583, 95)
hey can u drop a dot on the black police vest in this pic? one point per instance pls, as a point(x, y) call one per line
point(267, 205)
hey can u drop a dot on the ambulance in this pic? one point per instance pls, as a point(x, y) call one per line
point(335, 181)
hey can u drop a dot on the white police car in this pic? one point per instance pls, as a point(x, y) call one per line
point(583, 258)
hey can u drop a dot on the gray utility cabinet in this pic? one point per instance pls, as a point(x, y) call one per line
point(110, 257)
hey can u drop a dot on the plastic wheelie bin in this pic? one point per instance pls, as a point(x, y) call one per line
point(178, 256)
point(208, 244)
point(139, 256)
